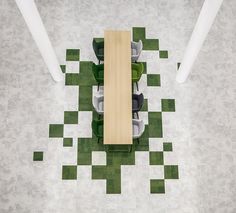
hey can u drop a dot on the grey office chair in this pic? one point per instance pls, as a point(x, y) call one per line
point(138, 128)
point(98, 47)
point(137, 103)
point(136, 48)
point(98, 104)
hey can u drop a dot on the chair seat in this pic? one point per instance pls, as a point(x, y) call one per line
point(100, 106)
point(100, 130)
point(135, 104)
point(101, 51)
point(101, 74)
point(135, 74)
point(133, 51)
point(135, 130)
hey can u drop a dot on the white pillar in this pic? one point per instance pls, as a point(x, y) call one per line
point(33, 20)
point(201, 29)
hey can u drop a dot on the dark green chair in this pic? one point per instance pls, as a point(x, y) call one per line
point(98, 72)
point(137, 71)
point(98, 47)
point(97, 128)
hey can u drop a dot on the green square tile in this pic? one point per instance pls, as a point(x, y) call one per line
point(69, 172)
point(67, 142)
point(38, 156)
point(150, 44)
point(84, 158)
point(153, 80)
point(139, 33)
point(95, 146)
point(168, 105)
point(85, 98)
point(139, 147)
point(85, 145)
point(117, 158)
point(156, 158)
point(86, 77)
point(157, 186)
point(72, 79)
point(145, 105)
point(56, 130)
point(63, 68)
point(163, 54)
point(118, 148)
point(171, 172)
point(71, 117)
point(99, 172)
point(167, 147)
point(72, 54)
point(113, 186)
point(155, 124)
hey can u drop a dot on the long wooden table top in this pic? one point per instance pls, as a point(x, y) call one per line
point(117, 88)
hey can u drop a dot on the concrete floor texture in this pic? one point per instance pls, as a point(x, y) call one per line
point(203, 128)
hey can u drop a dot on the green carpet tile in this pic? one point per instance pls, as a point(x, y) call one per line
point(157, 186)
point(116, 156)
point(139, 33)
point(56, 130)
point(156, 158)
point(167, 147)
point(168, 105)
point(71, 117)
point(38, 156)
point(153, 80)
point(171, 172)
point(67, 142)
point(163, 54)
point(155, 124)
point(69, 172)
point(72, 54)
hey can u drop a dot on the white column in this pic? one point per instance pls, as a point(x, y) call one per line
point(201, 29)
point(33, 20)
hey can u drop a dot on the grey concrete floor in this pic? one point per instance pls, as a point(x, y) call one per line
point(203, 128)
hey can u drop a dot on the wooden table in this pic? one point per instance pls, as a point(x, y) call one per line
point(117, 88)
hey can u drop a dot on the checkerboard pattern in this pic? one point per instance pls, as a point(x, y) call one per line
point(110, 168)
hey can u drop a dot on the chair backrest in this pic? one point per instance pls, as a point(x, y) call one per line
point(133, 44)
point(140, 100)
point(141, 127)
point(139, 47)
point(139, 68)
point(97, 45)
point(96, 101)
